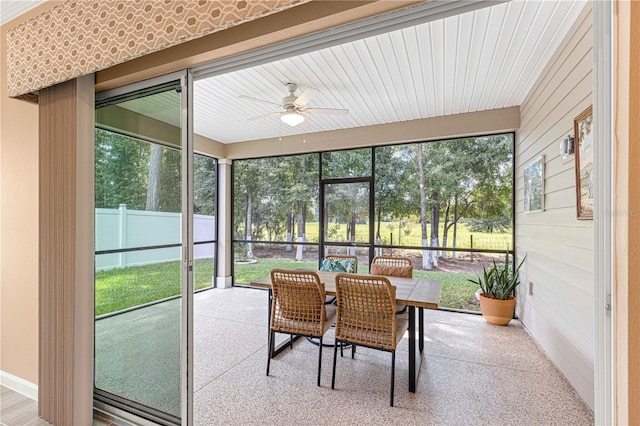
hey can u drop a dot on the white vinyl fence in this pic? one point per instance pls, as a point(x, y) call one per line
point(124, 228)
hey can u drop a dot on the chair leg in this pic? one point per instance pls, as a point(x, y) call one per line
point(270, 348)
point(393, 373)
point(319, 360)
point(335, 357)
point(353, 350)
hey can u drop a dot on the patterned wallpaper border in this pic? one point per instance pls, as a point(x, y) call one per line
point(83, 36)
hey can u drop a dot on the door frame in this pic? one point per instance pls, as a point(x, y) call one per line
point(321, 236)
point(131, 412)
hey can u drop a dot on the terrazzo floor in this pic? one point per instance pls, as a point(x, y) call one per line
point(473, 373)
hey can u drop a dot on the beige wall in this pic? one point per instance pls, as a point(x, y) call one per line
point(451, 126)
point(559, 248)
point(18, 227)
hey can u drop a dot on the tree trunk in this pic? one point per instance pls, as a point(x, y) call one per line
point(423, 209)
point(445, 229)
point(154, 178)
point(435, 227)
point(289, 247)
point(455, 226)
point(300, 236)
point(304, 225)
point(378, 251)
point(247, 229)
point(352, 237)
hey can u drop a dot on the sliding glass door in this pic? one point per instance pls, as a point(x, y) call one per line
point(143, 250)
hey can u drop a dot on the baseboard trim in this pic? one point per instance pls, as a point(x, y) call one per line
point(22, 386)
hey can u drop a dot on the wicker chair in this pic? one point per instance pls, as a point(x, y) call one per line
point(298, 308)
point(343, 257)
point(391, 266)
point(404, 265)
point(366, 317)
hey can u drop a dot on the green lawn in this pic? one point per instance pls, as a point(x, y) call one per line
point(118, 289)
point(456, 291)
point(123, 288)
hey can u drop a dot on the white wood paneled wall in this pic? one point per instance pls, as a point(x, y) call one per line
point(559, 311)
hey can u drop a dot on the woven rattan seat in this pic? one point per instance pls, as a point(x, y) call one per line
point(298, 308)
point(366, 317)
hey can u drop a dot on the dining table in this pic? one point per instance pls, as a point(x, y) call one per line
point(416, 293)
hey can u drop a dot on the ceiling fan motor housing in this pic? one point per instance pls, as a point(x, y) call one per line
point(288, 102)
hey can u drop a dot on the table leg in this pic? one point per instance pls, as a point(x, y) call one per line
point(421, 328)
point(269, 345)
point(415, 356)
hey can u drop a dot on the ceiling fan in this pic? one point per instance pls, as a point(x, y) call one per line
point(293, 107)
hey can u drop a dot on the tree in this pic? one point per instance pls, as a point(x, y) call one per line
point(204, 185)
point(121, 170)
point(171, 181)
point(246, 187)
point(154, 179)
point(451, 176)
point(426, 264)
point(345, 203)
point(395, 182)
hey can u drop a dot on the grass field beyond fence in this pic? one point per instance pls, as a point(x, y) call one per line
point(123, 288)
point(409, 233)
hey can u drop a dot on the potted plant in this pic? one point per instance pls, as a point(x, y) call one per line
point(497, 284)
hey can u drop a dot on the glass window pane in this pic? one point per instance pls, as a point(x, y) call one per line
point(138, 199)
point(276, 199)
point(137, 332)
point(346, 164)
point(347, 212)
point(270, 256)
point(137, 192)
point(445, 195)
point(204, 267)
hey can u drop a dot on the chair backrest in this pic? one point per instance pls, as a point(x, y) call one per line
point(366, 312)
point(340, 263)
point(298, 302)
point(392, 266)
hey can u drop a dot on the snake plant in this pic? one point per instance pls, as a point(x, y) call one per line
point(498, 282)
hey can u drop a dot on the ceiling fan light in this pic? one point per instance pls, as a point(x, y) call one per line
point(292, 118)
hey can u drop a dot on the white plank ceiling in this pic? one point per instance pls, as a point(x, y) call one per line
point(10, 9)
point(481, 60)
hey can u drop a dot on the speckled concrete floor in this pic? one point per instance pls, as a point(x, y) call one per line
point(473, 373)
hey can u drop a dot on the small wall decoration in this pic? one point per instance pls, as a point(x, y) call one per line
point(534, 186)
point(583, 126)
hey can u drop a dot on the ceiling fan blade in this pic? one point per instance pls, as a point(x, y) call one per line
point(249, 98)
point(258, 117)
point(306, 96)
point(336, 111)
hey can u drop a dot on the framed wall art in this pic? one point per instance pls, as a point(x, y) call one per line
point(583, 126)
point(534, 186)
